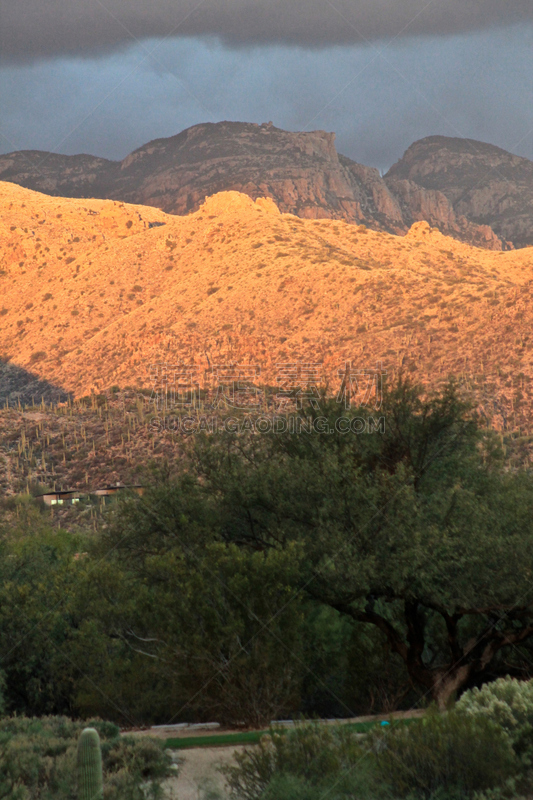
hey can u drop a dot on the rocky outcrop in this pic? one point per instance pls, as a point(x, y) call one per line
point(57, 175)
point(474, 192)
point(434, 207)
point(483, 184)
point(301, 172)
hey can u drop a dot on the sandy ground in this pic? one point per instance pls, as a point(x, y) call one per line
point(199, 777)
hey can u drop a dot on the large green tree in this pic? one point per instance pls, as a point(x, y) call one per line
point(418, 530)
point(198, 597)
point(38, 578)
point(208, 617)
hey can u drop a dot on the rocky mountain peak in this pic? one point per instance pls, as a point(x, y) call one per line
point(483, 183)
point(470, 190)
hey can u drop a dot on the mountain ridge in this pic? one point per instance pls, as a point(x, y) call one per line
point(472, 191)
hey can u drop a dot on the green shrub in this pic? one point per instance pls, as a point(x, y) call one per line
point(300, 763)
point(38, 760)
point(507, 702)
point(452, 755)
point(348, 785)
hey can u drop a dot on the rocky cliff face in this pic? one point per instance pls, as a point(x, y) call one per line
point(474, 192)
point(57, 175)
point(301, 172)
point(418, 204)
point(477, 183)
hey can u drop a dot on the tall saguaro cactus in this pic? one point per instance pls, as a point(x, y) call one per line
point(90, 778)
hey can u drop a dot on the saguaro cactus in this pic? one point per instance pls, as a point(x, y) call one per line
point(90, 778)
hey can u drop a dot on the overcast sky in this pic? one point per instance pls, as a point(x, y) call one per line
point(104, 77)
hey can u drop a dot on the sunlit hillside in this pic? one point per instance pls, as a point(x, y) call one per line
point(93, 294)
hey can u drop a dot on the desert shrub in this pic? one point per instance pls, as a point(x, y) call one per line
point(38, 760)
point(138, 756)
point(348, 785)
point(509, 703)
point(450, 757)
point(453, 755)
point(301, 763)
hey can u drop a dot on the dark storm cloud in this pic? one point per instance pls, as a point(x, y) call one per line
point(31, 29)
point(447, 85)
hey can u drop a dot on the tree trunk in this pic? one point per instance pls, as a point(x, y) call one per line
point(447, 683)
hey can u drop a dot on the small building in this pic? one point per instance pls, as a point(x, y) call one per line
point(66, 498)
point(108, 492)
point(71, 497)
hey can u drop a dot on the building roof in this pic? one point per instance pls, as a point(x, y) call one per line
point(110, 488)
point(53, 493)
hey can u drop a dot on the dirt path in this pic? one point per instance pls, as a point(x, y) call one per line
point(199, 776)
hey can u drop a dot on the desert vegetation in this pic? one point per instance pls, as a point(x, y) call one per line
point(263, 577)
point(298, 574)
point(47, 758)
point(454, 756)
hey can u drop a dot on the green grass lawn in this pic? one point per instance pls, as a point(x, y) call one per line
point(246, 737)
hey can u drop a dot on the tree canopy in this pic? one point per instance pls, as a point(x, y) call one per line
point(267, 572)
point(418, 530)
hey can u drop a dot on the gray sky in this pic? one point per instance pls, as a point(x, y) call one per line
point(100, 77)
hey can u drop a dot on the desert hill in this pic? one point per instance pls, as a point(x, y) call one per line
point(469, 190)
point(96, 293)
